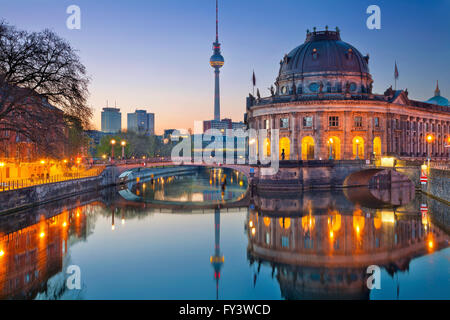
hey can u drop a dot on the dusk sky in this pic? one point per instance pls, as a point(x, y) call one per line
point(154, 54)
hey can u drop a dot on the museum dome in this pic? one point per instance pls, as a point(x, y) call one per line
point(324, 51)
point(438, 99)
point(325, 60)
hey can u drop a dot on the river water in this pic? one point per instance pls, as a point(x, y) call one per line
point(194, 237)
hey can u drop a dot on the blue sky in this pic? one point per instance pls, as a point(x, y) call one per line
point(154, 54)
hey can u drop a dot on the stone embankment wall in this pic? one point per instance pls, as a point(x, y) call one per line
point(438, 185)
point(298, 175)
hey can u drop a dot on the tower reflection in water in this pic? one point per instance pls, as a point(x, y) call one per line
point(321, 249)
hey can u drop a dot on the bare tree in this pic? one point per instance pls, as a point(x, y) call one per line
point(42, 80)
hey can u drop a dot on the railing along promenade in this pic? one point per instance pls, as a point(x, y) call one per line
point(14, 184)
point(93, 170)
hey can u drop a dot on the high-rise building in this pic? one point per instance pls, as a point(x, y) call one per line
point(141, 122)
point(111, 120)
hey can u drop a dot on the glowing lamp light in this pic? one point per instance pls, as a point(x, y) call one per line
point(387, 161)
point(430, 138)
point(64, 224)
point(42, 161)
point(104, 156)
point(123, 221)
point(253, 231)
point(430, 244)
point(250, 224)
point(387, 217)
point(42, 234)
point(123, 143)
point(331, 234)
point(331, 140)
point(2, 253)
point(113, 227)
point(65, 160)
point(113, 142)
point(2, 164)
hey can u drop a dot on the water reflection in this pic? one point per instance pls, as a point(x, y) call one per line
point(320, 245)
point(33, 248)
point(204, 186)
point(314, 245)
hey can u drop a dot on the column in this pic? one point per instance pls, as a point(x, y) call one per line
point(294, 143)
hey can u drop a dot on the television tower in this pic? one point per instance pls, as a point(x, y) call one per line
point(217, 62)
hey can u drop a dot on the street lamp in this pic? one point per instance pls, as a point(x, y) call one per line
point(357, 149)
point(113, 142)
point(123, 144)
point(330, 142)
point(448, 146)
point(430, 139)
point(2, 164)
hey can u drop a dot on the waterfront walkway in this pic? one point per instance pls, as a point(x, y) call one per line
point(14, 184)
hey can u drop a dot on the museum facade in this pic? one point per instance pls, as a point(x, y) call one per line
point(324, 108)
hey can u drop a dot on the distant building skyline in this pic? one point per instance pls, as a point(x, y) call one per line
point(141, 122)
point(111, 120)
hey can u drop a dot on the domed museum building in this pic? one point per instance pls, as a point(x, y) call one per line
point(324, 107)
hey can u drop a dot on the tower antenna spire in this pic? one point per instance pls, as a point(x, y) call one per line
point(217, 62)
point(217, 20)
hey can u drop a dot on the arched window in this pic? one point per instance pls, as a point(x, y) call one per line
point(308, 148)
point(358, 148)
point(334, 145)
point(377, 147)
point(285, 146)
point(266, 147)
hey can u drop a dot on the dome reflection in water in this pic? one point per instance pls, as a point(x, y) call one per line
point(319, 245)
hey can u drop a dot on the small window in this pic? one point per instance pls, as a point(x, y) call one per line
point(333, 121)
point(358, 122)
point(284, 123)
point(376, 122)
point(266, 124)
point(267, 238)
point(307, 122)
point(314, 54)
point(284, 90)
point(285, 242)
